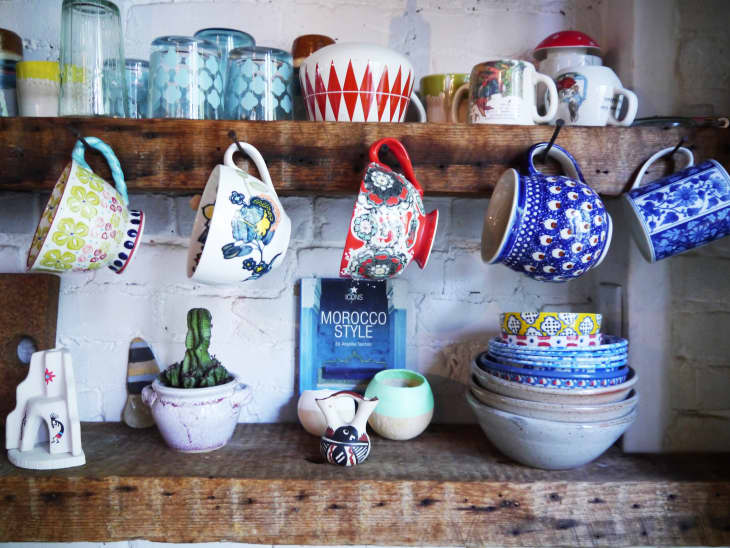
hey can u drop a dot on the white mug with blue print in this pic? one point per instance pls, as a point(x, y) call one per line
point(679, 212)
point(241, 231)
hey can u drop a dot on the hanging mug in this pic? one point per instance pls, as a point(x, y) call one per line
point(679, 212)
point(241, 231)
point(503, 92)
point(549, 227)
point(389, 225)
point(86, 223)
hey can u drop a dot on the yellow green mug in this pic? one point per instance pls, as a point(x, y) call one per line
point(437, 92)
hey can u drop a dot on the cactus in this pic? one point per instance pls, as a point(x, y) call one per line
point(198, 369)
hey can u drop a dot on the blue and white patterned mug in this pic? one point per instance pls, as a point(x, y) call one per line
point(679, 212)
point(549, 227)
point(241, 231)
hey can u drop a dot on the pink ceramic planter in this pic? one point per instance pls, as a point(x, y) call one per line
point(196, 420)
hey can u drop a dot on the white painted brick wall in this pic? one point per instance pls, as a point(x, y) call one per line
point(453, 304)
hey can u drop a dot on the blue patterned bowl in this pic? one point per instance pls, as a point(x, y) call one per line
point(551, 228)
point(568, 366)
point(611, 346)
point(553, 379)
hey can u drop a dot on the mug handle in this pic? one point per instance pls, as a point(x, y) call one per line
point(401, 155)
point(630, 113)
point(419, 106)
point(455, 102)
point(116, 168)
point(564, 158)
point(552, 110)
point(255, 155)
point(687, 152)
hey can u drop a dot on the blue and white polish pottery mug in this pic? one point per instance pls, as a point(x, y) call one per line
point(549, 227)
point(679, 212)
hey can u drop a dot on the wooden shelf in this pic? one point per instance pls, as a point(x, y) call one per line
point(177, 156)
point(448, 487)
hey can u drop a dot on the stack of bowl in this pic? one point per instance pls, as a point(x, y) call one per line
point(553, 392)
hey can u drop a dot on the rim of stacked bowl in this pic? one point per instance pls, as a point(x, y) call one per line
point(557, 364)
point(610, 345)
point(563, 412)
point(604, 394)
point(552, 341)
point(565, 380)
point(548, 444)
point(550, 323)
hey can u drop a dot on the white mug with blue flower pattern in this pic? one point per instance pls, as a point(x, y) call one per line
point(679, 212)
point(241, 231)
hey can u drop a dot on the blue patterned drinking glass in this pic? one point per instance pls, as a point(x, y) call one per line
point(138, 73)
point(259, 84)
point(226, 40)
point(186, 80)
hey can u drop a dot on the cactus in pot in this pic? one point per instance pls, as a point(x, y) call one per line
point(197, 369)
point(190, 420)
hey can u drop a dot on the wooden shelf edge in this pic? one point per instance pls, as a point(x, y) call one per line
point(447, 487)
point(177, 156)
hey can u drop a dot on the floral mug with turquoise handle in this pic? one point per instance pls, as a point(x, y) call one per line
point(679, 212)
point(86, 223)
point(241, 231)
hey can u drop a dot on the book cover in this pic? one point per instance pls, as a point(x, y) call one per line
point(349, 330)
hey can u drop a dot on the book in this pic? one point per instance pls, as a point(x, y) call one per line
point(349, 330)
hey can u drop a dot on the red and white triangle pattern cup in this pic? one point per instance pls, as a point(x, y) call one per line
point(358, 83)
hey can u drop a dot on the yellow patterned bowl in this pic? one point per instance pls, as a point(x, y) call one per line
point(541, 324)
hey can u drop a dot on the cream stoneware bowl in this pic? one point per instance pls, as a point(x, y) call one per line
point(550, 445)
point(606, 394)
point(563, 412)
point(405, 405)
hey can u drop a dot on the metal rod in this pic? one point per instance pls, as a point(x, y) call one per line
point(234, 138)
point(558, 126)
point(78, 135)
point(679, 144)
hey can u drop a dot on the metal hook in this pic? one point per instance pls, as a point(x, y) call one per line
point(232, 135)
point(679, 144)
point(78, 135)
point(558, 126)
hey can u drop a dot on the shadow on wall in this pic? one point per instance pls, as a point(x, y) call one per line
point(448, 373)
point(410, 34)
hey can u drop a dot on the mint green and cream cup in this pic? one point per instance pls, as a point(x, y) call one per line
point(405, 405)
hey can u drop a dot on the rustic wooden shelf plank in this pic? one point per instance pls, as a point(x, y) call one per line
point(448, 487)
point(327, 158)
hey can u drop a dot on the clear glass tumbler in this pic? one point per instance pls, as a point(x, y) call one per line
point(138, 75)
point(186, 79)
point(226, 40)
point(92, 59)
point(259, 84)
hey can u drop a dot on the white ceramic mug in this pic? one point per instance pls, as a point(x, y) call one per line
point(503, 92)
point(241, 231)
point(592, 96)
point(358, 83)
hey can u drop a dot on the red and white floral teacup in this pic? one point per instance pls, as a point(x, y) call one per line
point(389, 226)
